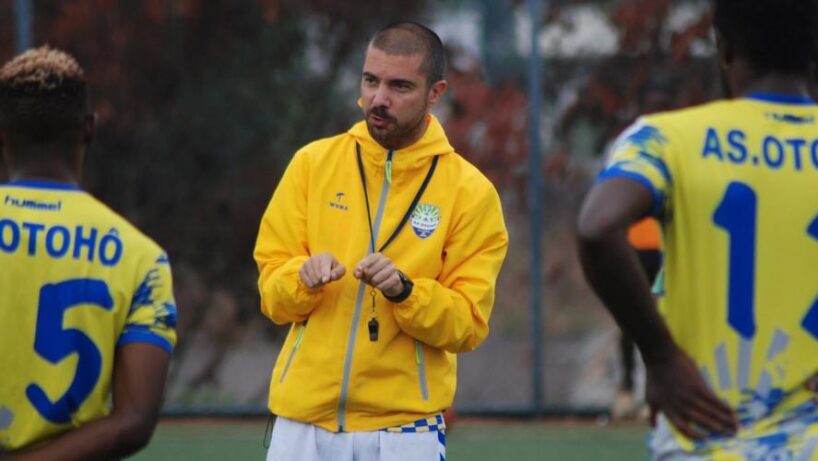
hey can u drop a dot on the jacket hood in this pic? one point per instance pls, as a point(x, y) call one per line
point(433, 142)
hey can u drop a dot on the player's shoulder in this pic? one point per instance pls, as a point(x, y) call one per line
point(119, 231)
point(679, 119)
point(672, 126)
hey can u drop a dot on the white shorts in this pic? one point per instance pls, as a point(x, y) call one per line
point(295, 441)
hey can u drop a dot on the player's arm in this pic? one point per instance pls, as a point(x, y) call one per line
point(281, 252)
point(612, 268)
point(140, 370)
point(452, 311)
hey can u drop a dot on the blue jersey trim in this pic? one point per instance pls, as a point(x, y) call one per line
point(612, 173)
point(130, 337)
point(658, 163)
point(782, 98)
point(42, 184)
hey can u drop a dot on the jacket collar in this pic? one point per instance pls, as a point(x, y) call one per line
point(433, 142)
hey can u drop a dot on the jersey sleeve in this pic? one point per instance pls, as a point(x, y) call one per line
point(152, 315)
point(641, 153)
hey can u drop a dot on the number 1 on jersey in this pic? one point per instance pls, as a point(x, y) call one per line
point(736, 214)
point(810, 322)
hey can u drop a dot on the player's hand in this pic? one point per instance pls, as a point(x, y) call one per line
point(380, 272)
point(675, 388)
point(320, 270)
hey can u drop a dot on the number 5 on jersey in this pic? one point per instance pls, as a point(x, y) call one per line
point(54, 343)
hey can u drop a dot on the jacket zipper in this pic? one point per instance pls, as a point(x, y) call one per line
point(356, 316)
point(421, 362)
point(301, 327)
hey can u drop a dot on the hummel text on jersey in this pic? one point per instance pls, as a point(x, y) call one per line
point(32, 204)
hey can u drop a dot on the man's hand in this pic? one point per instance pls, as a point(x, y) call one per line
point(378, 271)
point(675, 387)
point(320, 270)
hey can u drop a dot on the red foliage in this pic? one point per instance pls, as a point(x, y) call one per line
point(641, 23)
point(488, 127)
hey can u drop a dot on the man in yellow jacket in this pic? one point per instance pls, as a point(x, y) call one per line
point(381, 247)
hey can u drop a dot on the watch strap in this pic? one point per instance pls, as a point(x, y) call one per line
point(407, 289)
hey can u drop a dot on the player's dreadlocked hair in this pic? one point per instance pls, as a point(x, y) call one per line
point(774, 35)
point(408, 38)
point(43, 95)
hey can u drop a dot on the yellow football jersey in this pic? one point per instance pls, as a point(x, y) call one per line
point(76, 281)
point(735, 186)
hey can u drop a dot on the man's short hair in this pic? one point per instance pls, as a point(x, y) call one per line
point(43, 94)
point(773, 35)
point(408, 38)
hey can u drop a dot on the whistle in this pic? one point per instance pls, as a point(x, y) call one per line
point(373, 329)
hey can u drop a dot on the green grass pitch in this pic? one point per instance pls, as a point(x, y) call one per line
point(470, 440)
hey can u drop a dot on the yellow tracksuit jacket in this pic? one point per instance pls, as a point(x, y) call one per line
point(329, 373)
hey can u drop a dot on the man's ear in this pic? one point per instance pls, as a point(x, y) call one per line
point(89, 128)
point(436, 92)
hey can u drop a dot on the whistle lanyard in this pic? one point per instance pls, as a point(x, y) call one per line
point(373, 323)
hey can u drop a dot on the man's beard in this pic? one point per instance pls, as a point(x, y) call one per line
point(400, 134)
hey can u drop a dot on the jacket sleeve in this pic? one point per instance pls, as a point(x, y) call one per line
point(282, 248)
point(452, 312)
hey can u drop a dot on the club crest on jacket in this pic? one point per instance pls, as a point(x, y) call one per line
point(425, 219)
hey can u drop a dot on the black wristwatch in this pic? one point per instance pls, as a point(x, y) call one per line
point(407, 289)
